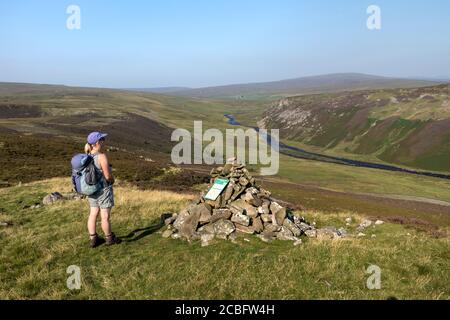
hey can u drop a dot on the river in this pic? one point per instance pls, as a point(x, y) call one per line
point(299, 153)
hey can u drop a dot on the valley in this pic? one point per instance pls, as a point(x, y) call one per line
point(408, 127)
point(51, 122)
point(196, 155)
point(42, 127)
point(303, 154)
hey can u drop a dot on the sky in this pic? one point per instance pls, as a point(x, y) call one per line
point(197, 43)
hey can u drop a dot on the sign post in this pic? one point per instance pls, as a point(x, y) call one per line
point(217, 188)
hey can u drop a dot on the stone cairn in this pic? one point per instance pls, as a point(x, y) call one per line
point(242, 207)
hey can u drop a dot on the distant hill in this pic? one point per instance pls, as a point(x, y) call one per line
point(404, 126)
point(161, 90)
point(305, 85)
point(336, 82)
point(17, 88)
point(72, 111)
point(23, 88)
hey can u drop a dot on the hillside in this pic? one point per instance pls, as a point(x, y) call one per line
point(147, 266)
point(50, 123)
point(41, 127)
point(22, 104)
point(409, 127)
point(304, 85)
point(161, 90)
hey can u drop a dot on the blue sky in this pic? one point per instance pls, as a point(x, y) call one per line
point(213, 42)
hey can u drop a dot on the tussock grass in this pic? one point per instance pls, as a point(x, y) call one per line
point(42, 243)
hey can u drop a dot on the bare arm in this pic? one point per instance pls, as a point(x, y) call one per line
point(104, 164)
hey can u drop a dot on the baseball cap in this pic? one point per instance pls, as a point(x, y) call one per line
point(93, 137)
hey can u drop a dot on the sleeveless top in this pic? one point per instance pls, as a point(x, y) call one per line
point(96, 163)
point(99, 167)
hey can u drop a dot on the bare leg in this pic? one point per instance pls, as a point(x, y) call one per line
point(106, 223)
point(92, 221)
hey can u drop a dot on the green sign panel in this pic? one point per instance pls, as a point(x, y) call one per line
point(217, 188)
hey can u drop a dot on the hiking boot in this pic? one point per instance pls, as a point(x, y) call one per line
point(95, 241)
point(112, 239)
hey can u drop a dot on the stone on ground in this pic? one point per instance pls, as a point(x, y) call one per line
point(243, 207)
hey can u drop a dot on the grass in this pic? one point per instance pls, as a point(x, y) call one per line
point(27, 158)
point(416, 108)
point(179, 112)
point(176, 112)
point(42, 243)
point(354, 179)
point(406, 127)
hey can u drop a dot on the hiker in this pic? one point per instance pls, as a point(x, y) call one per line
point(103, 200)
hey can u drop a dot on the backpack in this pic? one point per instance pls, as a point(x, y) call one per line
point(86, 178)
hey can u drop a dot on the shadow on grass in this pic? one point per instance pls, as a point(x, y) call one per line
point(141, 233)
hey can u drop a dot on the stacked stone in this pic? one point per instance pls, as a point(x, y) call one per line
point(242, 207)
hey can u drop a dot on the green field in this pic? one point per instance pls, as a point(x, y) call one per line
point(71, 112)
point(42, 128)
point(146, 266)
point(354, 179)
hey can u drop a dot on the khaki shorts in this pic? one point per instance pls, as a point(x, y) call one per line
point(104, 199)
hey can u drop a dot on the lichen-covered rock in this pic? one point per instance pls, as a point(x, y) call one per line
point(181, 217)
point(243, 181)
point(304, 227)
point(244, 207)
point(288, 224)
point(257, 224)
point(190, 225)
point(266, 218)
point(251, 198)
point(265, 208)
point(235, 209)
point(286, 235)
point(206, 239)
point(52, 198)
point(228, 192)
point(364, 224)
point(219, 214)
point(167, 233)
point(207, 228)
point(175, 236)
point(312, 233)
point(278, 213)
point(271, 228)
point(240, 219)
point(204, 210)
point(224, 227)
point(244, 229)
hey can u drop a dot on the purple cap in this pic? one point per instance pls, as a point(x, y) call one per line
point(93, 137)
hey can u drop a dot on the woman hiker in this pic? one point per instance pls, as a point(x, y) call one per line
point(102, 201)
